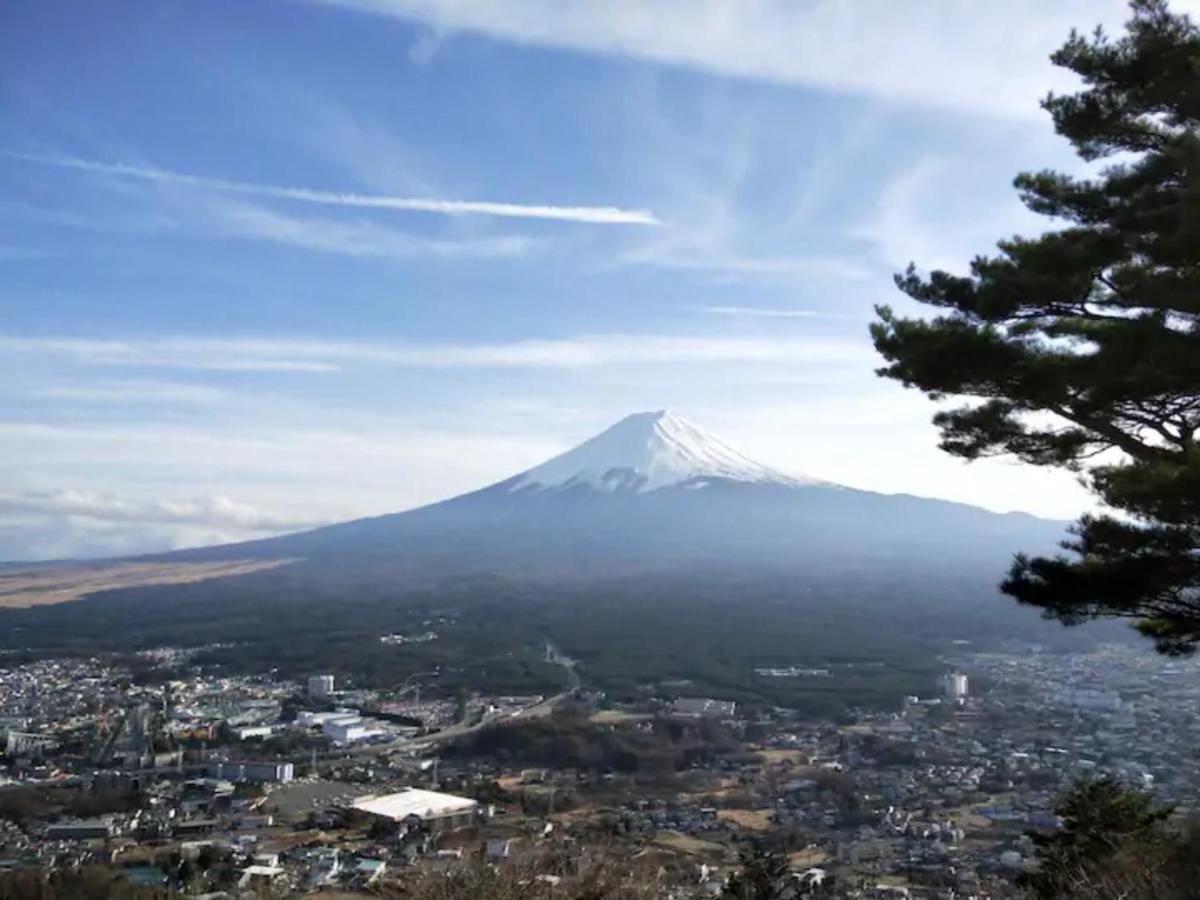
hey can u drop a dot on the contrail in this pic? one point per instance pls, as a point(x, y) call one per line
point(595, 215)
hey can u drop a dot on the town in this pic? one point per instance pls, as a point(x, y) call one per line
point(226, 785)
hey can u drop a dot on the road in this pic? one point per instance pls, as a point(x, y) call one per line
point(461, 729)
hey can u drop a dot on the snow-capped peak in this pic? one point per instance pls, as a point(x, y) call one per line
point(645, 452)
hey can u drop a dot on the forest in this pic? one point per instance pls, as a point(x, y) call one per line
point(704, 633)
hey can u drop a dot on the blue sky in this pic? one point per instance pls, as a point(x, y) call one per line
point(264, 265)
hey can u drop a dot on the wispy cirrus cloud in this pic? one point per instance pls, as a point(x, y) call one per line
point(989, 59)
point(304, 355)
point(354, 238)
point(134, 391)
point(733, 266)
point(255, 356)
point(593, 215)
point(913, 222)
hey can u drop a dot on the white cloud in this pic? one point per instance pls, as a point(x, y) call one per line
point(81, 488)
point(354, 238)
point(568, 353)
point(732, 265)
point(595, 215)
point(216, 512)
point(988, 58)
point(214, 355)
point(124, 392)
point(28, 539)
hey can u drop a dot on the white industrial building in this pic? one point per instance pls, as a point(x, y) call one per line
point(433, 810)
point(342, 726)
point(308, 719)
point(253, 731)
point(351, 731)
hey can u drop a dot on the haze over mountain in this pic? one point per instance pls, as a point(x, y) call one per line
point(655, 492)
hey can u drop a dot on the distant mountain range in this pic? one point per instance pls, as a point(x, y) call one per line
point(656, 493)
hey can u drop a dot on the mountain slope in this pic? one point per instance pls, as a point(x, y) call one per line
point(652, 552)
point(655, 493)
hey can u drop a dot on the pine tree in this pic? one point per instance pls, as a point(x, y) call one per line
point(1102, 821)
point(1081, 348)
point(763, 876)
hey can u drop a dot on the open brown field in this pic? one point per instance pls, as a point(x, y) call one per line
point(814, 856)
point(783, 756)
point(750, 819)
point(44, 585)
point(685, 843)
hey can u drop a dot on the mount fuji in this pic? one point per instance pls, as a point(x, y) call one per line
point(653, 493)
point(645, 452)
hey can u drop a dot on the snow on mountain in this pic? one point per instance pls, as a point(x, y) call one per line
point(647, 451)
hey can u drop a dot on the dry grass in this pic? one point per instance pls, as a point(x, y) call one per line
point(782, 756)
point(806, 859)
point(46, 585)
point(750, 819)
point(685, 843)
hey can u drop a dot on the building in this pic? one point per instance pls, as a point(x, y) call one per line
point(320, 687)
point(309, 719)
point(703, 708)
point(80, 831)
point(252, 771)
point(954, 686)
point(194, 827)
point(352, 731)
point(20, 743)
point(261, 873)
point(431, 810)
point(253, 731)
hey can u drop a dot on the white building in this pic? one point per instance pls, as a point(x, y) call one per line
point(954, 686)
point(308, 719)
point(253, 731)
point(352, 731)
point(251, 771)
point(432, 809)
point(320, 687)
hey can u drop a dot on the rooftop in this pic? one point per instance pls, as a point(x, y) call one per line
point(414, 802)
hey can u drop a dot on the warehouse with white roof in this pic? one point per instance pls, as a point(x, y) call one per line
point(433, 810)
